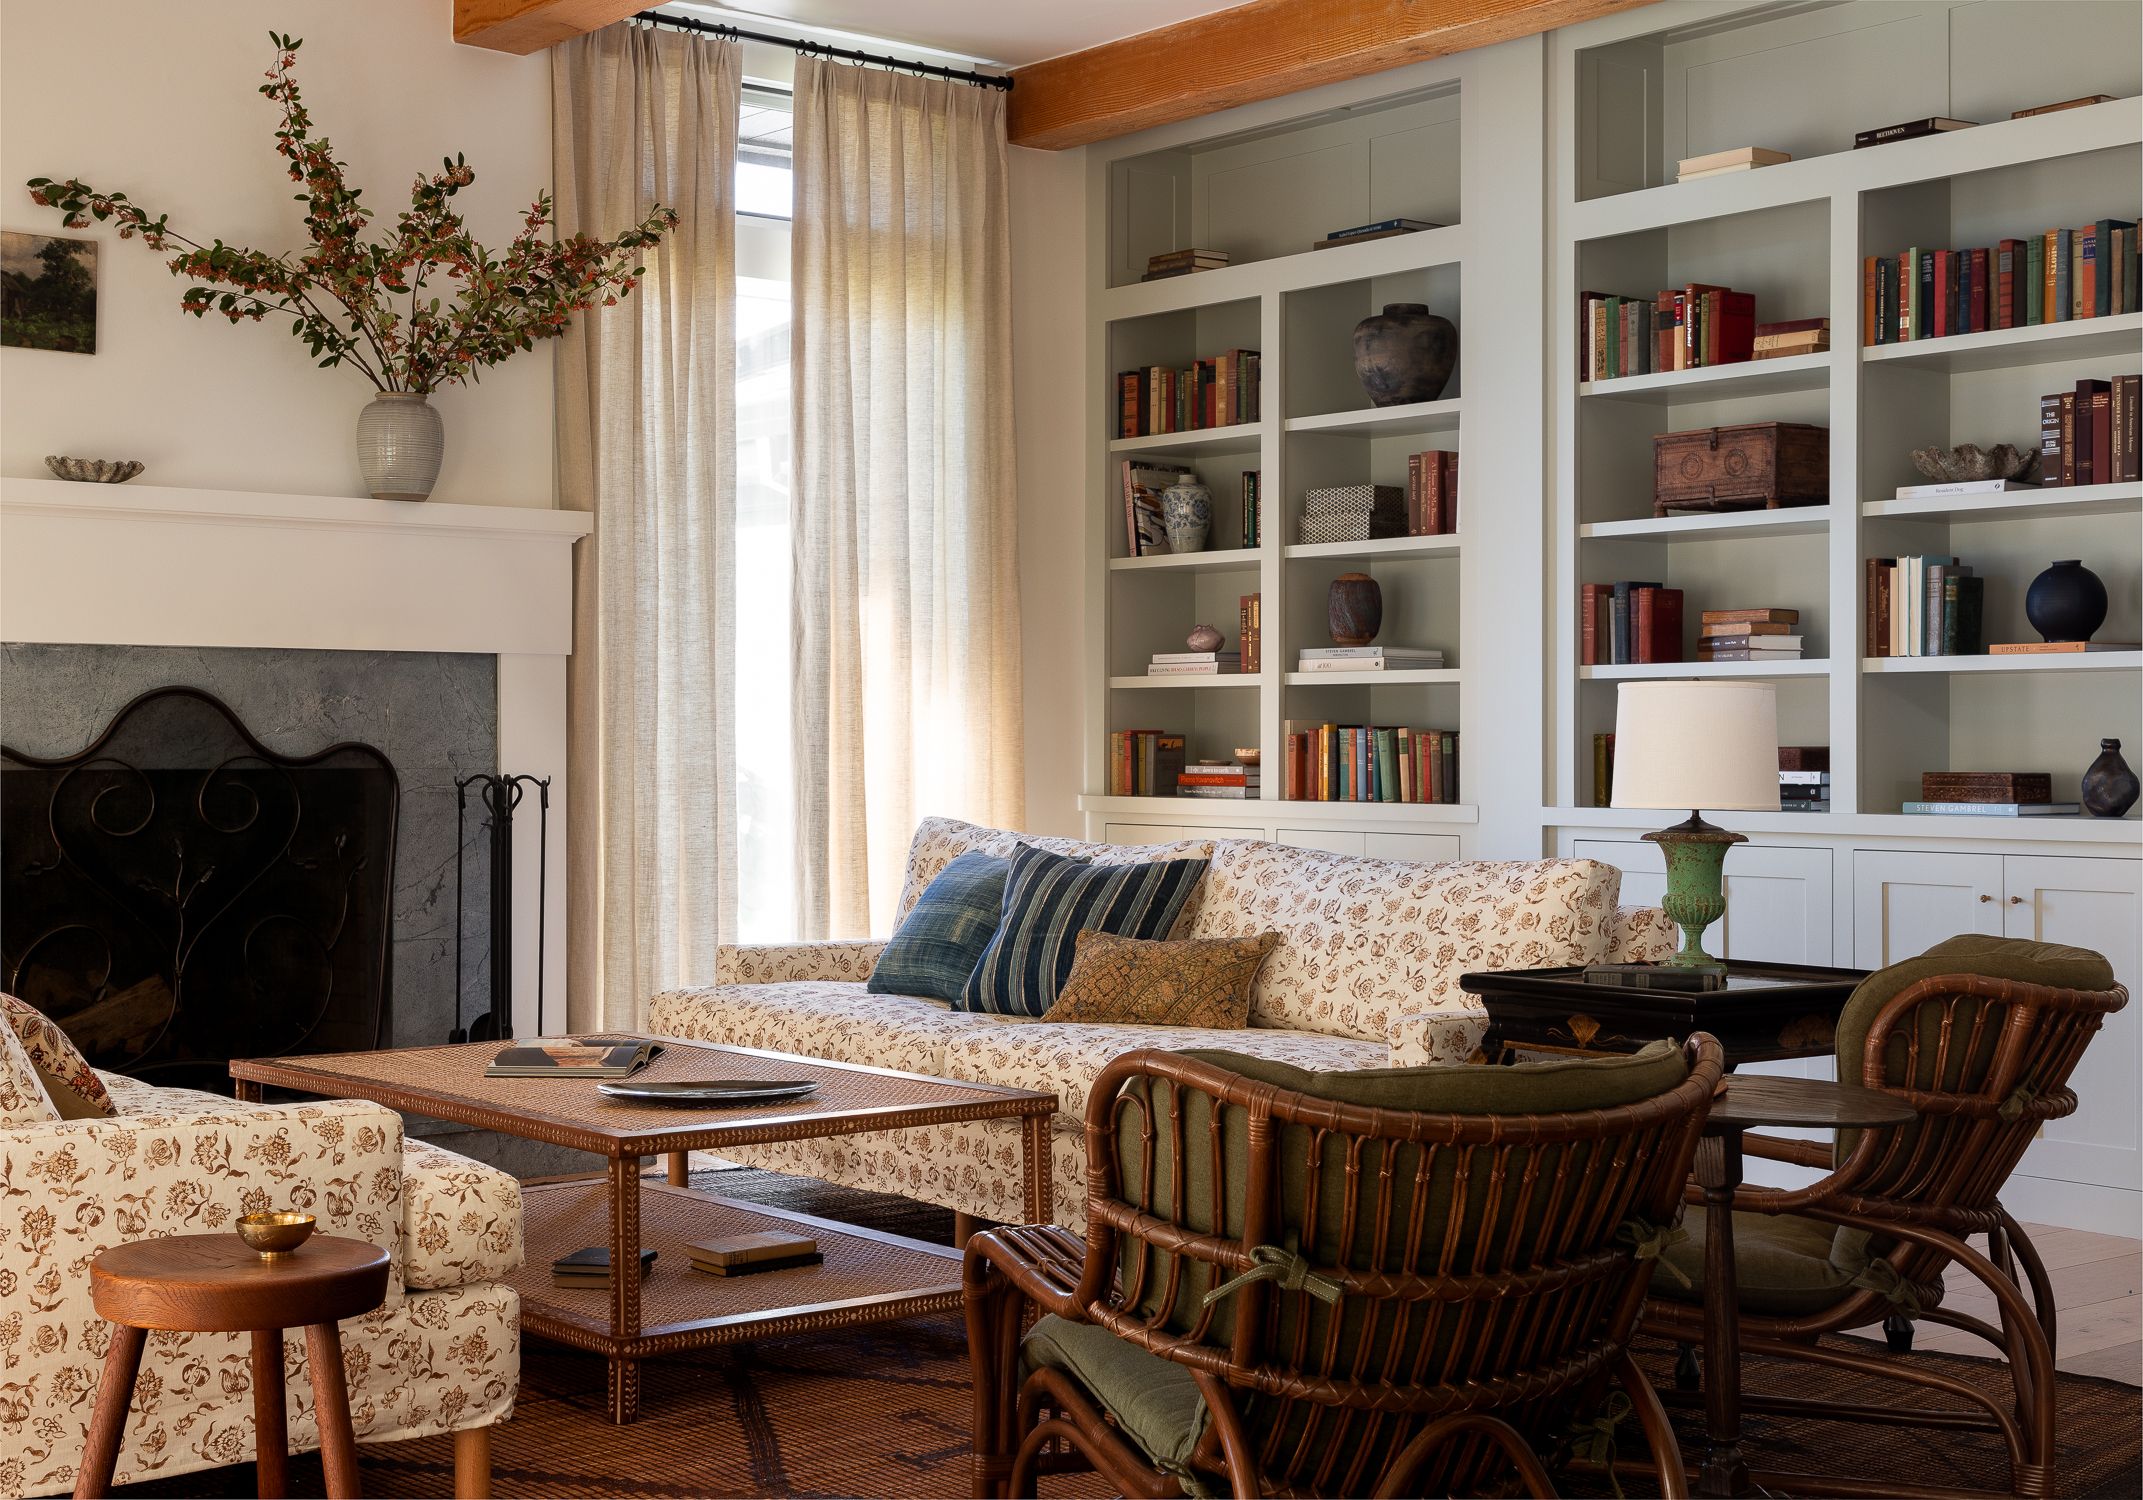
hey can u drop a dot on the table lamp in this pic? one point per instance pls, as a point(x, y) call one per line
point(1696, 745)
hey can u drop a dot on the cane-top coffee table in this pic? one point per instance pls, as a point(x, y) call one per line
point(866, 1276)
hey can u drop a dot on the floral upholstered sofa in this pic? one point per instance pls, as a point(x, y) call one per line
point(1366, 976)
point(442, 1354)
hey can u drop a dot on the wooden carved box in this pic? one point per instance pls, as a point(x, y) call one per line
point(1755, 466)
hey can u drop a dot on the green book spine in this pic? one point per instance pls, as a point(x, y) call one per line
point(1387, 765)
point(1949, 616)
point(1450, 789)
point(1614, 338)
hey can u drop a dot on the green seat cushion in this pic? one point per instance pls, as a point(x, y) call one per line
point(1551, 1087)
point(1155, 1400)
point(1784, 1265)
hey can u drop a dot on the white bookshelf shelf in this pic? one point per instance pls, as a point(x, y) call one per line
point(1238, 810)
point(1390, 546)
point(1302, 271)
point(1803, 520)
point(2081, 661)
point(1831, 825)
point(1170, 684)
point(1227, 560)
point(2012, 505)
point(1640, 671)
point(2009, 348)
point(1424, 677)
point(1236, 438)
point(1418, 419)
point(1749, 377)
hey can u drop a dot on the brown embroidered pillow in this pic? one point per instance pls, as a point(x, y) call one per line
point(1199, 982)
point(74, 1087)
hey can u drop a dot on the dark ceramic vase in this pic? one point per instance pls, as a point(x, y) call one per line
point(1405, 353)
point(2066, 602)
point(2109, 786)
point(1354, 609)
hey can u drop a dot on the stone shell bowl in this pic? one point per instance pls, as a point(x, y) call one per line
point(94, 470)
point(1969, 461)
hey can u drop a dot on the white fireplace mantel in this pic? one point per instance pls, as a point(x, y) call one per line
point(133, 565)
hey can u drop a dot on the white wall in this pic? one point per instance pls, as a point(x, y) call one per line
point(158, 100)
point(1049, 332)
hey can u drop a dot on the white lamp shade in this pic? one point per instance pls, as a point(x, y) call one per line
point(1697, 746)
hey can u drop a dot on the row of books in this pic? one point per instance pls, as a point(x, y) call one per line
point(1432, 493)
point(1217, 392)
point(1627, 622)
point(1768, 635)
point(1924, 606)
point(1989, 794)
point(1144, 762)
point(1182, 263)
point(1370, 763)
point(1682, 328)
point(2093, 434)
point(2055, 276)
point(1231, 780)
point(1804, 791)
point(1339, 660)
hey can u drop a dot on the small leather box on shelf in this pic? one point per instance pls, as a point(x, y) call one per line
point(1753, 466)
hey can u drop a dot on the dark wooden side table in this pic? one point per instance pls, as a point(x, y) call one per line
point(1744, 1104)
point(1766, 1013)
point(216, 1283)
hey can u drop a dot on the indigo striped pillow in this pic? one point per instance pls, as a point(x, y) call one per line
point(939, 942)
point(1048, 900)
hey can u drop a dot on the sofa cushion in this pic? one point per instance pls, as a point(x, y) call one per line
point(939, 841)
point(1194, 982)
point(70, 1082)
point(131, 1096)
point(1049, 900)
point(461, 1220)
point(23, 1100)
point(839, 1021)
point(934, 951)
point(1364, 941)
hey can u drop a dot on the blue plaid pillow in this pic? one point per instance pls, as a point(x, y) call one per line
point(1048, 900)
point(937, 946)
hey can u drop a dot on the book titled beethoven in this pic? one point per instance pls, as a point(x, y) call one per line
point(566, 1057)
point(1907, 130)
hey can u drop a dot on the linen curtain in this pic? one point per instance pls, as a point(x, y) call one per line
point(646, 439)
point(905, 632)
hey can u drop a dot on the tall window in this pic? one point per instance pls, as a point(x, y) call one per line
point(765, 769)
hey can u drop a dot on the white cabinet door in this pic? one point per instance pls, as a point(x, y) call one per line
point(1331, 840)
point(1905, 903)
point(1426, 847)
point(2089, 903)
point(1778, 898)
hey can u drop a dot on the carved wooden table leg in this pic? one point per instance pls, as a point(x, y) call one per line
point(680, 1168)
point(1034, 1167)
point(624, 1374)
point(107, 1424)
point(271, 1424)
point(1718, 1172)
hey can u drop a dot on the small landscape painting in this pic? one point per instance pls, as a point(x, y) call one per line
point(48, 292)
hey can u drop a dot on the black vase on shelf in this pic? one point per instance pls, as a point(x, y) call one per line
point(2066, 602)
point(1404, 354)
point(2109, 786)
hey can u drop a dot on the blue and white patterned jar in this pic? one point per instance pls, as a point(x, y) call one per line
point(1187, 512)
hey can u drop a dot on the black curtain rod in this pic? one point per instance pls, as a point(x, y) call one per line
point(820, 49)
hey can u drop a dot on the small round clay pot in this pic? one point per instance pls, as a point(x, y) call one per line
point(1354, 609)
point(1405, 353)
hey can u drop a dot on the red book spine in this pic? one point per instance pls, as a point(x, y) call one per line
point(1869, 270)
point(2101, 437)
point(1945, 276)
point(1589, 626)
point(1734, 329)
point(1664, 637)
point(1641, 623)
point(1447, 519)
point(1432, 478)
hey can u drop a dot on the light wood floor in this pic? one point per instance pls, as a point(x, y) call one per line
point(2098, 1288)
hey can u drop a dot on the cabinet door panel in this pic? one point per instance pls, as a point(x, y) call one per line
point(1778, 899)
point(1331, 840)
point(1905, 903)
point(1145, 833)
point(1428, 847)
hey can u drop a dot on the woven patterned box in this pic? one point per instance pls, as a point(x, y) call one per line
point(1353, 513)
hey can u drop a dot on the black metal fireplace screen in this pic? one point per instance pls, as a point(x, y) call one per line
point(177, 894)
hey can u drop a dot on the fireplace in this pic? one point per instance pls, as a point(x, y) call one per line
point(176, 894)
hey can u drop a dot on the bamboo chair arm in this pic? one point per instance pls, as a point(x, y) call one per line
point(1038, 1261)
point(1778, 1148)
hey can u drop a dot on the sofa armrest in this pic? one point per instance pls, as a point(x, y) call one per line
point(461, 1219)
point(1641, 935)
point(783, 963)
point(1452, 1034)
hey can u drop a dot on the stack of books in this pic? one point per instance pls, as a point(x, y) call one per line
point(1719, 163)
point(2093, 434)
point(1784, 340)
point(1432, 493)
point(1194, 663)
point(1343, 659)
point(1990, 794)
point(1216, 778)
point(2053, 276)
point(589, 1268)
point(1685, 328)
point(1217, 392)
point(1144, 762)
point(1924, 606)
point(1765, 635)
point(1182, 263)
point(1804, 778)
point(1382, 229)
point(1370, 763)
point(1629, 622)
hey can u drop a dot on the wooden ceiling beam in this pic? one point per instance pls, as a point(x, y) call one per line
point(525, 26)
point(1259, 51)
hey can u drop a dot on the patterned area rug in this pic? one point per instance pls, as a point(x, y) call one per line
point(884, 1411)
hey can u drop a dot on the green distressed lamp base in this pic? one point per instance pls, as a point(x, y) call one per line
point(1696, 884)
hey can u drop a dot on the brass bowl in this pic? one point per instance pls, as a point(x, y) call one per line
point(276, 1233)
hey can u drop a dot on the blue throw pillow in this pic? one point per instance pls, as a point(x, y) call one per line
point(1048, 901)
point(938, 944)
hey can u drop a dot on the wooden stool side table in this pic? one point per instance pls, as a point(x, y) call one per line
point(215, 1283)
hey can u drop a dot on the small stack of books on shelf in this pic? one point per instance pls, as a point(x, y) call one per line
point(1144, 762)
point(1625, 623)
point(2054, 276)
point(1382, 229)
point(1785, 340)
point(1341, 660)
point(1251, 632)
point(1182, 263)
point(1990, 794)
point(1804, 778)
point(1224, 780)
point(1217, 392)
point(1720, 163)
point(1761, 635)
point(1253, 508)
point(1370, 763)
point(2093, 434)
point(1432, 493)
point(1142, 483)
point(1685, 328)
point(1923, 606)
point(1194, 664)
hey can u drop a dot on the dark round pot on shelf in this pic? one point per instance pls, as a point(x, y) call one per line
point(2066, 602)
point(1404, 354)
point(2109, 786)
point(1354, 609)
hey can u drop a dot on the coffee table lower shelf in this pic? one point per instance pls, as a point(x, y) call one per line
point(867, 1277)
